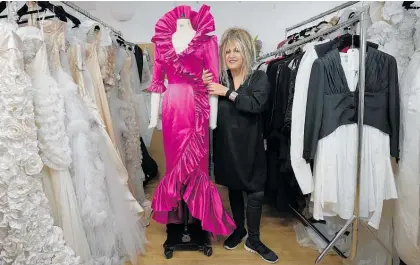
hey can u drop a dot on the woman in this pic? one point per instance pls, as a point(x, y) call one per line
point(239, 155)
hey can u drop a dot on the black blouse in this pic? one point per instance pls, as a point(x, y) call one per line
point(238, 142)
point(331, 104)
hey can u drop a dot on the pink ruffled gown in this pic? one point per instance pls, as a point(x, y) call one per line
point(185, 121)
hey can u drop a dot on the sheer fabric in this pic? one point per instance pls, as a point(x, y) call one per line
point(53, 139)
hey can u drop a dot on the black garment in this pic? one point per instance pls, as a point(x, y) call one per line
point(138, 53)
point(148, 165)
point(253, 211)
point(282, 188)
point(331, 104)
point(288, 116)
point(238, 143)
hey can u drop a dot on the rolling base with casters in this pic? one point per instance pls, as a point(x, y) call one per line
point(186, 238)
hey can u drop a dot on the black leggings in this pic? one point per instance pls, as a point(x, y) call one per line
point(253, 211)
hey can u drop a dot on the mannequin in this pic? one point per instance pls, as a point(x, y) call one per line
point(180, 41)
point(184, 47)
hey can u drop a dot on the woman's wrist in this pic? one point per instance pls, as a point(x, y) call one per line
point(231, 94)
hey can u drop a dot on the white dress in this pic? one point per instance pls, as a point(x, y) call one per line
point(53, 140)
point(131, 137)
point(407, 212)
point(27, 234)
point(87, 168)
point(335, 170)
point(125, 208)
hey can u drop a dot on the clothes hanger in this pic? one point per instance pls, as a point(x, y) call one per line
point(76, 22)
point(44, 5)
point(348, 40)
point(407, 5)
point(3, 5)
point(24, 11)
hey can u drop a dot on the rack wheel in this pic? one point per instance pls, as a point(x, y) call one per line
point(168, 253)
point(208, 251)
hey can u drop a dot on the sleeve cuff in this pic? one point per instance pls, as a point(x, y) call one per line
point(231, 94)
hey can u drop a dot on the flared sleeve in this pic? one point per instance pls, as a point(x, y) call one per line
point(158, 76)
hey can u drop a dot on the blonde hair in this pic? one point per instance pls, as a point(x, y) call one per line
point(245, 44)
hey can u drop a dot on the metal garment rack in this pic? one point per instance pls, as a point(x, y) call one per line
point(301, 42)
point(88, 15)
point(326, 13)
point(354, 220)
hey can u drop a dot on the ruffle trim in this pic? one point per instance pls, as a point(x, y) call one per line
point(156, 87)
point(201, 21)
point(201, 195)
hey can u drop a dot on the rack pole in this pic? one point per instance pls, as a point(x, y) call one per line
point(326, 13)
point(88, 15)
point(362, 72)
point(355, 219)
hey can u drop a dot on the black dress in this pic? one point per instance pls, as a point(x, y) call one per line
point(238, 141)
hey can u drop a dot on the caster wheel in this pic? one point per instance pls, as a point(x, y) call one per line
point(168, 253)
point(208, 251)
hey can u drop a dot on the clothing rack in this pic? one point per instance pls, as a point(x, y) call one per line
point(88, 15)
point(301, 42)
point(354, 220)
point(326, 13)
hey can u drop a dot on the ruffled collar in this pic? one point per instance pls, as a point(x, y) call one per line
point(201, 21)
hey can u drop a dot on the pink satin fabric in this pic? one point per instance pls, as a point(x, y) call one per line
point(185, 124)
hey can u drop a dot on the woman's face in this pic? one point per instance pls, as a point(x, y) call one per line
point(233, 57)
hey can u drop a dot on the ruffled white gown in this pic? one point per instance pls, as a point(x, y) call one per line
point(53, 140)
point(393, 29)
point(27, 234)
point(407, 214)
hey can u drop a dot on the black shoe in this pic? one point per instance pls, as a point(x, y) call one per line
point(260, 249)
point(235, 239)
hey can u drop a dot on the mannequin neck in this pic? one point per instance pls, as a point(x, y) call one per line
point(184, 24)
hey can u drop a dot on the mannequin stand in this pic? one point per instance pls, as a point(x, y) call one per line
point(186, 237)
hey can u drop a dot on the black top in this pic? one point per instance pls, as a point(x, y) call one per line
point(238, 144)
point(331, 104)
point(138, 53)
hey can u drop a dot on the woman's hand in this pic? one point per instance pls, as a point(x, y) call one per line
point(217, 89)
point(207, 77)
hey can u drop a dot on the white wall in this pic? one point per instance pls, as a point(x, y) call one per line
point(267, 19)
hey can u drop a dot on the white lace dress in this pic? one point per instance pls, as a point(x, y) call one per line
point(53, 140)
point(131, 137)
point(27, 234)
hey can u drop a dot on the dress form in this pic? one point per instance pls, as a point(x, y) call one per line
point(180, 41)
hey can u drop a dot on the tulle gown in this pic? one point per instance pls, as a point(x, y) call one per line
point(53, 140)
point(185, 121)
point(124, 206)
point(88, 166)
